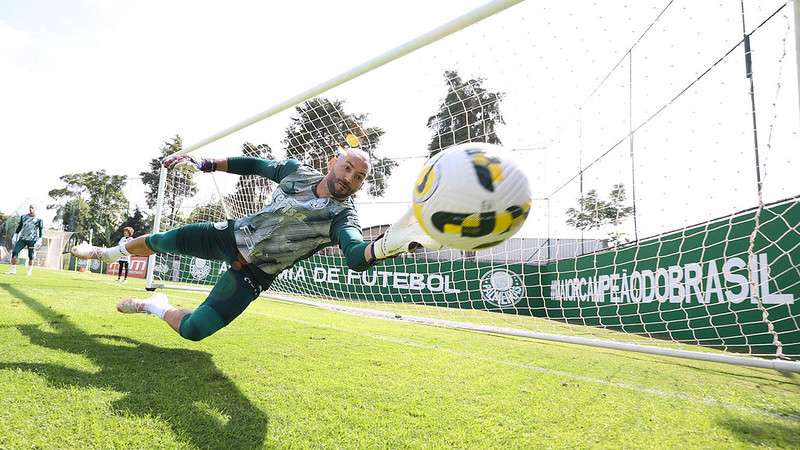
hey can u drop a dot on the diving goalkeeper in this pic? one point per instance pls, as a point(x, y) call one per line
point(309, 211)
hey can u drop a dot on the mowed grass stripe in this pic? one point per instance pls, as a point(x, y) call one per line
point(74, 373)
point(639, 389)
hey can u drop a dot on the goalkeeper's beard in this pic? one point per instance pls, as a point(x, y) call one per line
point(339, 188)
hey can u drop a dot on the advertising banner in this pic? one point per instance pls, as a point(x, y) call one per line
point(709, 284)
point(137, 268)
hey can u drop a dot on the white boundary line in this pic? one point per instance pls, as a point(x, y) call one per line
point(774, 364)
point(748, 361)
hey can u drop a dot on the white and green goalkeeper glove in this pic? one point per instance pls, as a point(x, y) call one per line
point(405, 235)
point(14, 239)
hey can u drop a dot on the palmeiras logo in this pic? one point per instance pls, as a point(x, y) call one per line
point(501, 288)
point(199, 268)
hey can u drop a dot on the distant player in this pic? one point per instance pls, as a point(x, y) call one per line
point(309, 211)
point(124, 260)
point(28, 234)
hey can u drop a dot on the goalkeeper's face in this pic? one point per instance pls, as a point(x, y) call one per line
point(347, 173)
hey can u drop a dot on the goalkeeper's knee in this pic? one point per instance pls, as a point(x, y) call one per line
point(201, 323)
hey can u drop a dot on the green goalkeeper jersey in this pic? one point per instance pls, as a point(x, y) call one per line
point(29, 228)
point(297, 223)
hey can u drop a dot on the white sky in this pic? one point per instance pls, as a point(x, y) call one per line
point(89, 85)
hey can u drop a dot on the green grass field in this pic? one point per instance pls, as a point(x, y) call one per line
point(74, 373)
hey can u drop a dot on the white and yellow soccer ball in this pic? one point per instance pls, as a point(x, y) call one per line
point(471, 196)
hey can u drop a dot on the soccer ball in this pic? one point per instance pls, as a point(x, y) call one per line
point(471, 196)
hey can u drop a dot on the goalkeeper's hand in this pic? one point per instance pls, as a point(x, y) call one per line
point(38, 243)
point(403, 236)
point(14, 239)
point(388, 245)
point(186, 162)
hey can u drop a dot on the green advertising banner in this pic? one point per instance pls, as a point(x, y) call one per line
point(702, 285)
point(188, 269)
point(449, 283)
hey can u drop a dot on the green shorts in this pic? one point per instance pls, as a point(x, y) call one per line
point(22, 243)
point(235, 289)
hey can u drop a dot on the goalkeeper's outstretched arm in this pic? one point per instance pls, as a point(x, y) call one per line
point(239, 165)
point(400, 237)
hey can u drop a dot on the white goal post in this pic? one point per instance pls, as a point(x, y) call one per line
point(665, 218)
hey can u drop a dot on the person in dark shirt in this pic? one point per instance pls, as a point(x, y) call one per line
point(28, 234)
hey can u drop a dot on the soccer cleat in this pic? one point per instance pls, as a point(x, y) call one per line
point(156, 304)
point(30, 271)
point(86, 251)
point(130, 306)
point(12, 270)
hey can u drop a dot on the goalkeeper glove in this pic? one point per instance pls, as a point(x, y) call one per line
point(14, 239)
point(187, 162)
point(403, 236)
point(389, 246)
point(38, 243)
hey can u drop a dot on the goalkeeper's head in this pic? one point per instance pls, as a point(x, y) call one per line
point(347, 172)
point(32, 209)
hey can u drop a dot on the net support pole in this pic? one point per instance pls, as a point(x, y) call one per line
point(431, 36)
point(748, 69)
point(151, 260)
point(796, 4)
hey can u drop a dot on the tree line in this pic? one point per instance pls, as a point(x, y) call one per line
point(94, 201)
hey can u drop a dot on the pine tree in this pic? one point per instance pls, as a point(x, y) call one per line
point(320, 128)
point(182, 183)
point(469, 113)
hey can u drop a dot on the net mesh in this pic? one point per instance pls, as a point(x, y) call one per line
point(658, 138)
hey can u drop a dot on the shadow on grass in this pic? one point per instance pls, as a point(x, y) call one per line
point(182, 387)
point(771, 434)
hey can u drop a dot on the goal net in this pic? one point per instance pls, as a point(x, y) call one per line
point(659, 137)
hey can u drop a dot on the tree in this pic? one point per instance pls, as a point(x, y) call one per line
point(320, 128)
point(249, 195)
point(140, 223)
point(209, 212)
point(73, 215)
point(593, 212)
point(588, 215)
point(5, 231)
point(180, 186)
point(92, 201)
point(469, 113)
